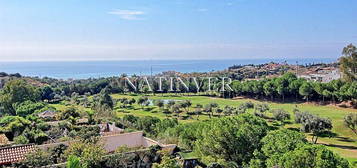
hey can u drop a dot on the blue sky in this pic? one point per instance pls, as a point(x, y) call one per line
point(39, 30)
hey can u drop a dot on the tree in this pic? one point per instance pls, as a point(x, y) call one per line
point(21, 140)
point(352, 93)
point(147, 124)
point(198, 109)
point(326, 94)
point(57, 153)
point(35, 135)
point(312, 156)
point(119, 160)
point(176, 108)
point(237, 87)
point(312, 123)
point(17, 91)
point(247, 105)
point(13, 126)
point(90, 115)
point(343, 92)
point(130, 118)
point(335, 85)
point(228, 110)
point(47, 93)
point(167, 162)
point(28, 107)
point(186, 104)
point(215, 165)
point(276, 144)
point(38, 158)
point(132, 101)
point(246, 87)
point(105, 99)
point(261, 107)
point(218, 111)
point(143, 101)
point(319, 89)
point(269, 89)
point(86, 133)
point(257, 88)
point(348, 63)
point(282, 141)
point(280, 115)
point(350, 121)
point(68, 112)
point(295, 85)
point(164, 124)
point(170, 103)
point(305, 90)
point(27, 130)
point(281, 85)
point(91, 154)
point(159, 103)
point(209, 108)
point(232, 138)
point(240, 110)
point(123, 100)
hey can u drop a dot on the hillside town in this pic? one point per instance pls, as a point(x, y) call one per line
point(314, 72)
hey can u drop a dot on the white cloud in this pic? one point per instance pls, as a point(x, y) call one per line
point(202, 9)
point(128, 14)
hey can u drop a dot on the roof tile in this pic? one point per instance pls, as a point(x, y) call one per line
point(13, 154)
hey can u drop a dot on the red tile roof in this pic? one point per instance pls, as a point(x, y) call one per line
point(13, 154)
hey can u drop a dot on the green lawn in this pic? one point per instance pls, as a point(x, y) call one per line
point(344, 142)
point(62, 106)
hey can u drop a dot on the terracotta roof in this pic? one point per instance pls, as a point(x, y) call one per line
point(13, 154)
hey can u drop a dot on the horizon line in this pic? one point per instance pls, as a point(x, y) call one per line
point(224, 59)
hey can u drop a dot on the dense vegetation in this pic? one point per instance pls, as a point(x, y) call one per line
point(231, 138)
point(220, 132)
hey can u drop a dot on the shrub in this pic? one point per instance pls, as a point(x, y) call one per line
point(122, 149)
point(301, 117)
point(28, 107)
point(21, 140)
point(350, 121)
point(91, 154)
point(37, 158)
point(280, 115)
point(261, 107)
point(86, 132)
point(67, 113)
point(247, 105)
point(167, 162)
point(57, 153)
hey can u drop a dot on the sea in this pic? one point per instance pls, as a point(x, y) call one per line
point(96, 69)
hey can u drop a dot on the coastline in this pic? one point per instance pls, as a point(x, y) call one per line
point(97, 69)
